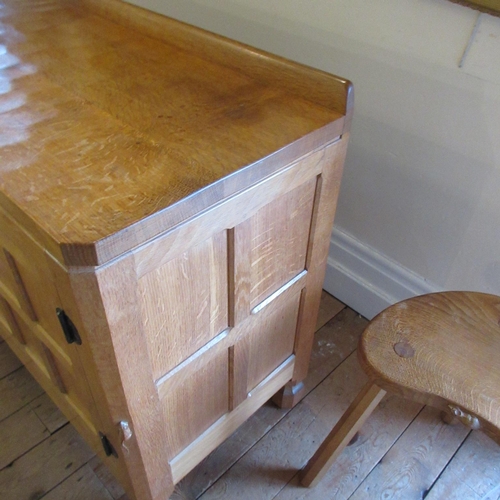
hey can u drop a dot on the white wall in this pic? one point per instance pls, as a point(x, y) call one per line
point(419, 208)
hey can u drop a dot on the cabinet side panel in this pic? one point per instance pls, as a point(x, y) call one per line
point(108, 301)
point(184, 303)
point(30, 297)
point(280, 233)
point(272, 340)
point(325, 202)
point(190, 408)
point(27, 284)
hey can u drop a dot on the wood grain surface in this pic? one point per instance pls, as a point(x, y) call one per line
point(473, 472)
point(113, 132)
point(16, 390)
point(440, 348)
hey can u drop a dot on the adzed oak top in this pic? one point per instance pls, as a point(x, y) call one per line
point(117, 123)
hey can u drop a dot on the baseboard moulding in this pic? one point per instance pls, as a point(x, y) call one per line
point(367, 280)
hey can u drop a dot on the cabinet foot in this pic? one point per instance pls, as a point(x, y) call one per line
point(289, 395)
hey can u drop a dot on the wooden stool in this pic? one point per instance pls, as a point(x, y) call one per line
point(441, 349)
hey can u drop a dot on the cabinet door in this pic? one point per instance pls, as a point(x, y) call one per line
point(219, 300)
point(221, 316)
point(29, 298)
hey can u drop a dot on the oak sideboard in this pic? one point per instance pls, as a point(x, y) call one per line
point(166, 202)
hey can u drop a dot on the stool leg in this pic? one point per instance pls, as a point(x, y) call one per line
point(350, 422)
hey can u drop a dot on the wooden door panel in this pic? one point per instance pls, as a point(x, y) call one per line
point(27, 281)
point(9, 326)
point(57, 367)
point(272, 340)
point(192, 407)
point(45, 327)
point(28, 302)
point(279, 240)
point(199, 278)
point(8, 283)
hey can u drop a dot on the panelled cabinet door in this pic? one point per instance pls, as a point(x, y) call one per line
point(219, 300)
point(29, 300)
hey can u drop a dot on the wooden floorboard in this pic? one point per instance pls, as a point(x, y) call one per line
point(17, 390)
point(403, 451)
point(411, 466)
point(82, 484)
point(387, 423)
point(8, 361)
point(20, 432)
point(40, 470)
point(473, 473)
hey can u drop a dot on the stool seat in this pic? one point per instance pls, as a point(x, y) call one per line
point(440, 349)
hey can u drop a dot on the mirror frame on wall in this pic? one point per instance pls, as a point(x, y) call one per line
point(489, 6)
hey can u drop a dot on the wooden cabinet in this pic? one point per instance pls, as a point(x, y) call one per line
point(166, 202)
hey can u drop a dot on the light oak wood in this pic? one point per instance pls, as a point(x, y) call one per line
point(276, 229)
point(455, 337)
point(200, 277)
point(168, 195)
point(327, 188)
point(128, 124)
point(439, 349)
point(224, 427)
point(324, 360)
point(17, 279)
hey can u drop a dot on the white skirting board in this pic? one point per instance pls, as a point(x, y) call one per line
point(366, 280)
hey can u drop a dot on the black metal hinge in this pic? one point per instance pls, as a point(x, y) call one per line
point(68, 327)
point(107, 446)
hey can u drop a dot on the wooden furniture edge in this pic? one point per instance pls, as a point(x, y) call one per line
point(167, 219)
point(326, 89)
point(111, 332)
point(323, 215)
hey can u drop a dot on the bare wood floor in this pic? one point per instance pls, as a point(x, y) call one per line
point(404, 451)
